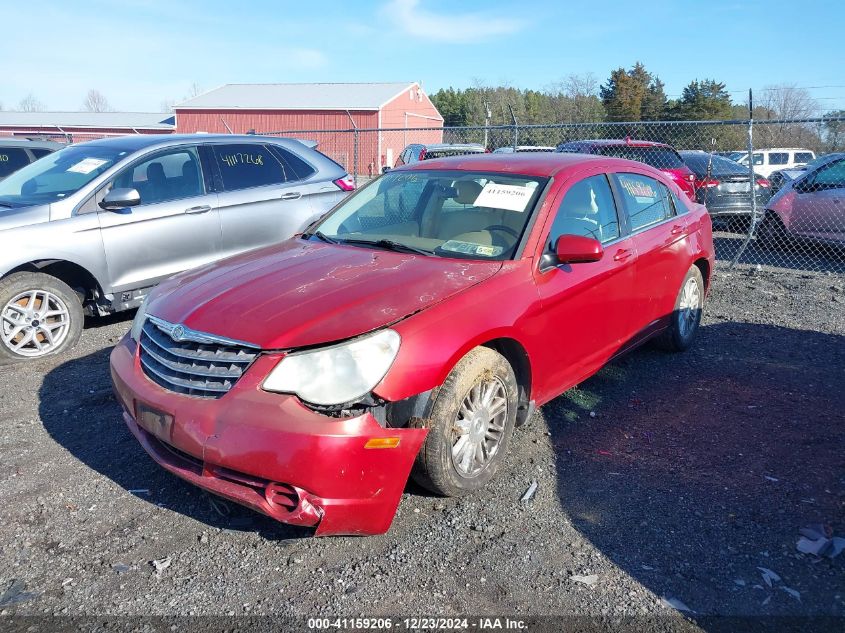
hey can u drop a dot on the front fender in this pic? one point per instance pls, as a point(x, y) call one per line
point(434, 340)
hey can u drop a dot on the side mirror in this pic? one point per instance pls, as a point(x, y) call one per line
point(385, 169)
point(575, 249)
point(118, 199)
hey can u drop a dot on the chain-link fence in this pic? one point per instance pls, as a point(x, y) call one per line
point(775, 189)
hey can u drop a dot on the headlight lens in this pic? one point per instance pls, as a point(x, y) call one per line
point(140, 318)
point(338, 374)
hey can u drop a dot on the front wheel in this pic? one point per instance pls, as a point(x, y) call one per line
point(686, 316)
point(39, 316)
point(470, 425)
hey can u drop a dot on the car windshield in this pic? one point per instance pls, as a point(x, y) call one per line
point(657, 157)
point(463, 214)
point(720, 167)
point(57, 175)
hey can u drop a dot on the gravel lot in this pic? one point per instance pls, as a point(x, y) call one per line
point(666, 476)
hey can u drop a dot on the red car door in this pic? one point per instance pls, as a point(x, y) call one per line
point(586, 309)
point(658, 235)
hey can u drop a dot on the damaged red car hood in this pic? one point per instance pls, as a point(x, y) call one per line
point(304, 293)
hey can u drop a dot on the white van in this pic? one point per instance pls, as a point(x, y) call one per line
point(767, 161)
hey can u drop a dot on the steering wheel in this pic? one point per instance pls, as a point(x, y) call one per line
point(504, 229)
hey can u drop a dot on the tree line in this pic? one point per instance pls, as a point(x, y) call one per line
point(636, 95)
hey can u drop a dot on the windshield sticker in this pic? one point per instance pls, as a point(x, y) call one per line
point(471, 248)
point(507, 197)
point(87, 165)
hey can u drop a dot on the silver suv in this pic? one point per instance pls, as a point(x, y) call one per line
point(92, 227)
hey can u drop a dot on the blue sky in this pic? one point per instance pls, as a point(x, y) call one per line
point(139, 53)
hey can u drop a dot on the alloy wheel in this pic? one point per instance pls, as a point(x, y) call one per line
point(689, 308)
point(34, 323)
point(479, 426)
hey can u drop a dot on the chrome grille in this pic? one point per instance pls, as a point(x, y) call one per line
point(192, 363)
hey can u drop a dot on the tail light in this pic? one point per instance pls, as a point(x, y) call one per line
point(762, 182)
point(346, 183)
point(707, 183)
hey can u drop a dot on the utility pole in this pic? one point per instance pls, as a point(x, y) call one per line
point(487, 116)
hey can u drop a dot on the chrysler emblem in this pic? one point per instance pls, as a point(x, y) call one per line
point(178, 333)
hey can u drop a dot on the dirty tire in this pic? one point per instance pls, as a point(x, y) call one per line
point(678, 337)
point(435, 467)
point(21, 283)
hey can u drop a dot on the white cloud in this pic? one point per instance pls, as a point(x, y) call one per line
point(307, 57)
point(456, 27)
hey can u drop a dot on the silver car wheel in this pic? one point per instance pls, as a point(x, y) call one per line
point(34, 323)
point(479, 426)
point(689, 308)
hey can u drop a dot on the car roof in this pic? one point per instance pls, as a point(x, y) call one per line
point(437, 146)
point(25, 142)
point(539, 164)
point(135, 142)
point(606, 142)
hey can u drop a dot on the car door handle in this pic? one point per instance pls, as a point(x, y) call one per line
point(678, 229)
point(622, 254)
point(292, 195)
point(203, 208)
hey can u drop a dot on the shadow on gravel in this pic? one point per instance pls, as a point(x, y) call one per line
point(701, 467)
point(79, 412)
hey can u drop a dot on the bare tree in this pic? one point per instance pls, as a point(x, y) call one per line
point(788, 102)
point(194, 90)
point(95, 101)
point(167, 105)
point(30, 103)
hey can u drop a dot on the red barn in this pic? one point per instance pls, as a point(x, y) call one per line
point(326, 113)
point(75, 127)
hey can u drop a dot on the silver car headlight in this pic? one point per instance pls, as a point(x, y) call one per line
point(337, 374)
point(138, 322)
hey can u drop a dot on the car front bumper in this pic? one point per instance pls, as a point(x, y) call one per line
point(268, 451)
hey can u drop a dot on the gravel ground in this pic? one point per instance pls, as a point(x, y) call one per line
point(663, 478)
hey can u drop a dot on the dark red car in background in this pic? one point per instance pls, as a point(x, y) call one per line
point(410, 329)
point(658, 155)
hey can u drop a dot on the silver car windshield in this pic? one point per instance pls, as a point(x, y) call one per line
point(464, 214)
point(57, 175)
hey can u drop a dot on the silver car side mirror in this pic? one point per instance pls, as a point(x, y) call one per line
point(118, 199)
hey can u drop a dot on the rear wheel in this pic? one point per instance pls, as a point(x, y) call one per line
point(686, 317)
point(470, 425)
point(39, 316)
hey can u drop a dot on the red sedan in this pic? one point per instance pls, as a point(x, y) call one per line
point(409, 331)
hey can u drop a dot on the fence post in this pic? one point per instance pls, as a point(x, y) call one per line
point(355, 138)
point(752, 183)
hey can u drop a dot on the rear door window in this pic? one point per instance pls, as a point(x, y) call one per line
point(646, 200)
point(247, 165)
point(803, 157)
point(12, 159)
point(656, 156)
point(40, 153)
point(778, 158)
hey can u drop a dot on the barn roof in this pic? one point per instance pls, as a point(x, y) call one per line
point(130, 120)
point(324, 96)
